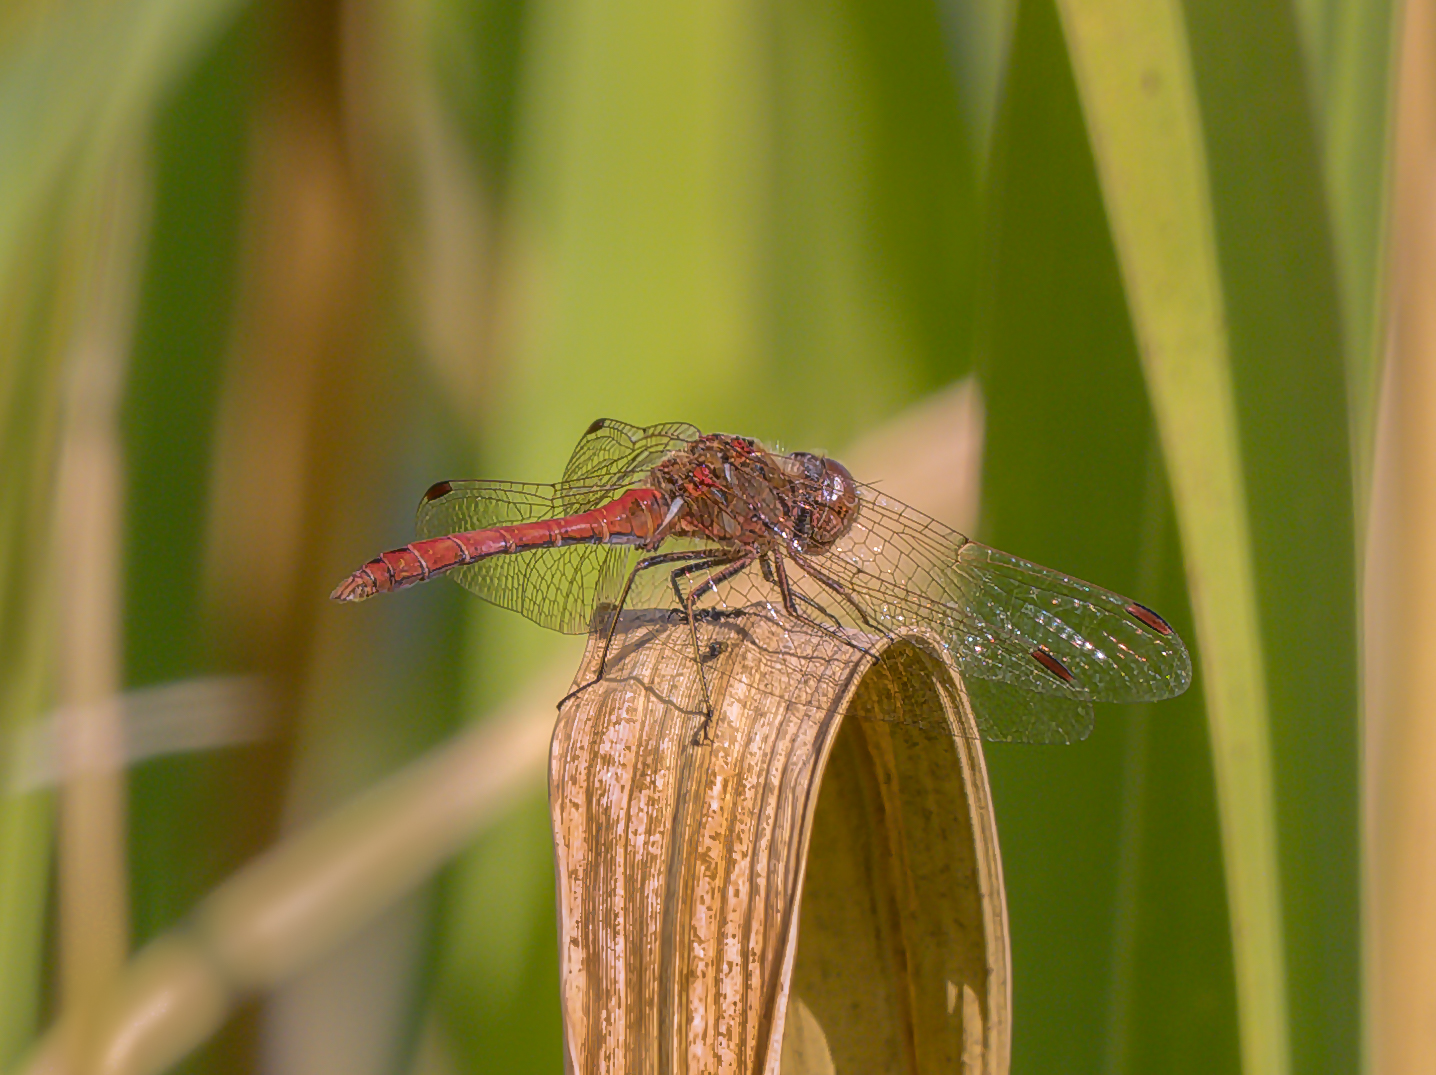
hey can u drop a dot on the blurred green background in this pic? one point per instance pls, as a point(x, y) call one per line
point(360, 245)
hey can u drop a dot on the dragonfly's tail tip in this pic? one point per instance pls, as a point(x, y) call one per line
point(355, 588)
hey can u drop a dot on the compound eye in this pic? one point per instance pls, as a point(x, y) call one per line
point(812, 465)
point(837, 502)
point(838, 484)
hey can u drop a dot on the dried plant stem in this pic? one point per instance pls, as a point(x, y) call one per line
point(686, 942)
point(93, 881)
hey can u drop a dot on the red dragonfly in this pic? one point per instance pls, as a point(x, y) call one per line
point(1036, 647)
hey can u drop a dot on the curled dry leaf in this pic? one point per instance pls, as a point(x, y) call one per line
point(814, 887)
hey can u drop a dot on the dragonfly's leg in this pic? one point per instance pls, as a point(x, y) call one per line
point(765, 565)
point(736, 567)
point(838, 635)
point(791, 596)
point(716, 557)
point(642, 565)
point(711, 583)
point(785, 588)
point(837, 587)
point(792, 608)
point(645, 564)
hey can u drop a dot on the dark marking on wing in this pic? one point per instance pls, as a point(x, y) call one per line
point(1043, 656)
point(1144, 615)
point(437, 490)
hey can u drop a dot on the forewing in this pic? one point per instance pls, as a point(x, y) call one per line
point(1007, 620)
point(556, 588)
point(615, 453)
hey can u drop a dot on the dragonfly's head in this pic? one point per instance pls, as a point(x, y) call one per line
point(825, 499)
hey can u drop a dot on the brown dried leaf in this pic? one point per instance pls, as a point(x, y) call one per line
point(685, 940)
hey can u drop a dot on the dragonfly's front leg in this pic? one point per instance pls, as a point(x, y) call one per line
point(792, 608)
point(789, 596)
point(827, 581)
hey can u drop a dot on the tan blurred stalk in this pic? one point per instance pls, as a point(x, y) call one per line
point(204, 713)
point(301, 429)
point(93, 882)
point(295, 903)
point(296, 317)
point(391, 173)
point(1401, 632)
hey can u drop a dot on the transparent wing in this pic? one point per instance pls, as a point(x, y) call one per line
point(1063, 643)
point(556, 588)
point(1007, 714)
point(612, 452)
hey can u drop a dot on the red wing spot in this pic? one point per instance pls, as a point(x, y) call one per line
point(1044, 657)
point(1145, 615)
point(437, 490)
point(594, 427)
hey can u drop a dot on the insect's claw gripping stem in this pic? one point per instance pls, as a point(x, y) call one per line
point(579, 690)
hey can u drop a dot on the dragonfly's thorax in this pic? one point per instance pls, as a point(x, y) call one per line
point(735, 491)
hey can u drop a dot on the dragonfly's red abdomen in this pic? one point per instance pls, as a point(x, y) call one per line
point(630, 520)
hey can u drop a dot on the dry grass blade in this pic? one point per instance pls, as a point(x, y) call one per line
point(687, 944)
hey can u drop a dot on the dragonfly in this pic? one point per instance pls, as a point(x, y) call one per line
point(645, 515)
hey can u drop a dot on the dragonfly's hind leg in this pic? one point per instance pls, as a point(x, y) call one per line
point(688, 569)
point(712, 582)
point(643, 565)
